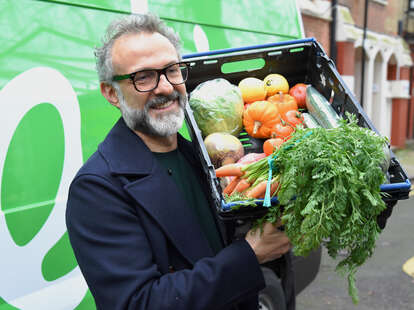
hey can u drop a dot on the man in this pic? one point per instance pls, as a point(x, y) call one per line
point(139, 216)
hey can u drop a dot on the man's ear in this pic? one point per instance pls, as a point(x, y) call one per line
point(109, 92)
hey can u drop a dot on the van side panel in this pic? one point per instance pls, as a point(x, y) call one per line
point(53, 116)
point(276, 17)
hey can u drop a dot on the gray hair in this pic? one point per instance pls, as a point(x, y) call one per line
point(148, 23)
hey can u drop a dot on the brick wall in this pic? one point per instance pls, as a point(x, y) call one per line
point(393, 14)
point(377, 14)
point(317, 28)
point(381, 18)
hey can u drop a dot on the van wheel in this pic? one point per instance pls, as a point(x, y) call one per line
point(272, 297)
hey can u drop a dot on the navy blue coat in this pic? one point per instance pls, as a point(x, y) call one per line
point(135, 242)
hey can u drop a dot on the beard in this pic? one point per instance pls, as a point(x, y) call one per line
point(162, 125)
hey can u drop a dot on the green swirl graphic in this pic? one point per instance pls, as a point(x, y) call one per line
point(31, 178)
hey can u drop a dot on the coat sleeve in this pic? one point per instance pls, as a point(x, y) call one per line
point(116, 259)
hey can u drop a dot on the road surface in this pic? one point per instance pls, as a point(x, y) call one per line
point(381, 281)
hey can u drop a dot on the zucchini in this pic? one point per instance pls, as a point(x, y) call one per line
point(309, 120)
point(320, 108)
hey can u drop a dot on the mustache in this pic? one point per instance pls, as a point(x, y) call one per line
point(159, 100)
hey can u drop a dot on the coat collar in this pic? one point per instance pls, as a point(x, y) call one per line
point(169, 208)
point(120, 149)
point(121, 146)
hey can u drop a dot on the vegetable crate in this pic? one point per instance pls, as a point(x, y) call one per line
point(300, 61)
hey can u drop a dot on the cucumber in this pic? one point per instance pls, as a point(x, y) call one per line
point(387, 161)
point(320, 108)
point(309, 120)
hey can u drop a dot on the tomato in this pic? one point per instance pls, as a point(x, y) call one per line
point(270, 145)
point(299, 93)
point(293, 117)
point(283, 130)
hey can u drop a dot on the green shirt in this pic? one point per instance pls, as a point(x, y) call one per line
point(182, 173)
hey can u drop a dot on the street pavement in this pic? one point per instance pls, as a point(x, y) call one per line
point(381, 281)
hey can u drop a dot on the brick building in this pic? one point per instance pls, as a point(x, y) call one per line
point(370, 38)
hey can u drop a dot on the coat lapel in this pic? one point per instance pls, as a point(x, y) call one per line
point(154, 191)
point(161, 198)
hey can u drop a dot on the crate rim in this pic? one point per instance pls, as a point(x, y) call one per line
point(400, 185)
point(225, 207)
point(247, 48)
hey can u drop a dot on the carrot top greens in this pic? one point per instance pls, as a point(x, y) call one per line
point(330, 193)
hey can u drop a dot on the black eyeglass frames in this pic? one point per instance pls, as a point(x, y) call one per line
point(147, 80)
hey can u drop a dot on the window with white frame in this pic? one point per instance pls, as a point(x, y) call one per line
point(382, 2)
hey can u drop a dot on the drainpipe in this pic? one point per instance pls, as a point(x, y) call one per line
point(363, 53)
point(332, 38)
point(410, 135)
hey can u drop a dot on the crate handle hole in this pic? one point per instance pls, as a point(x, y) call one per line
point(275, 53)
point(243, 65)
point(210, 62)
point(295, 50)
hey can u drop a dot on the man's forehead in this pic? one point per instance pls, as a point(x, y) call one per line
point(141, 45)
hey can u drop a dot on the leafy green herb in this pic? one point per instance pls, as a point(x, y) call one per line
point(331, 193)
point(241, 201)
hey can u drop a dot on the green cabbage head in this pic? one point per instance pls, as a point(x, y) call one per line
point(218, 107)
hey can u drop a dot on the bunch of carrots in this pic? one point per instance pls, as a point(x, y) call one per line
point(248, 180)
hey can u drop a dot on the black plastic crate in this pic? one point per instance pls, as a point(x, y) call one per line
point(300, 61)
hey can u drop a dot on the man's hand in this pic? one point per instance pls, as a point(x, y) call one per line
point(269, 243)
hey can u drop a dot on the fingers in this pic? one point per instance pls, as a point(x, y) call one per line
point(286, 248)
point(282, 248)
point(280, 242)
point(271, 226)
point(269, 243)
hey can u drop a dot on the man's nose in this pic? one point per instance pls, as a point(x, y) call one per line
point(164, 86)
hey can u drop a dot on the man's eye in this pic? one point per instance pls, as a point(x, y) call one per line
point(173, 69)
point(142, 77)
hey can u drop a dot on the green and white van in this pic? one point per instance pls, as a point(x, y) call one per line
point(53, 116)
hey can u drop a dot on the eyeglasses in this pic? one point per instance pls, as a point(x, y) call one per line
point(147, 80)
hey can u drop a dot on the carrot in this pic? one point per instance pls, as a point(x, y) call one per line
point(229, 170)
point(231, 186)
point(274, 188)
point(241, 186)
point(258, 190)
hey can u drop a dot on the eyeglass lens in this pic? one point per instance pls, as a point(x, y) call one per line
point(148, 79)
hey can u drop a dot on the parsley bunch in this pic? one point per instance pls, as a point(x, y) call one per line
point(330, 192)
